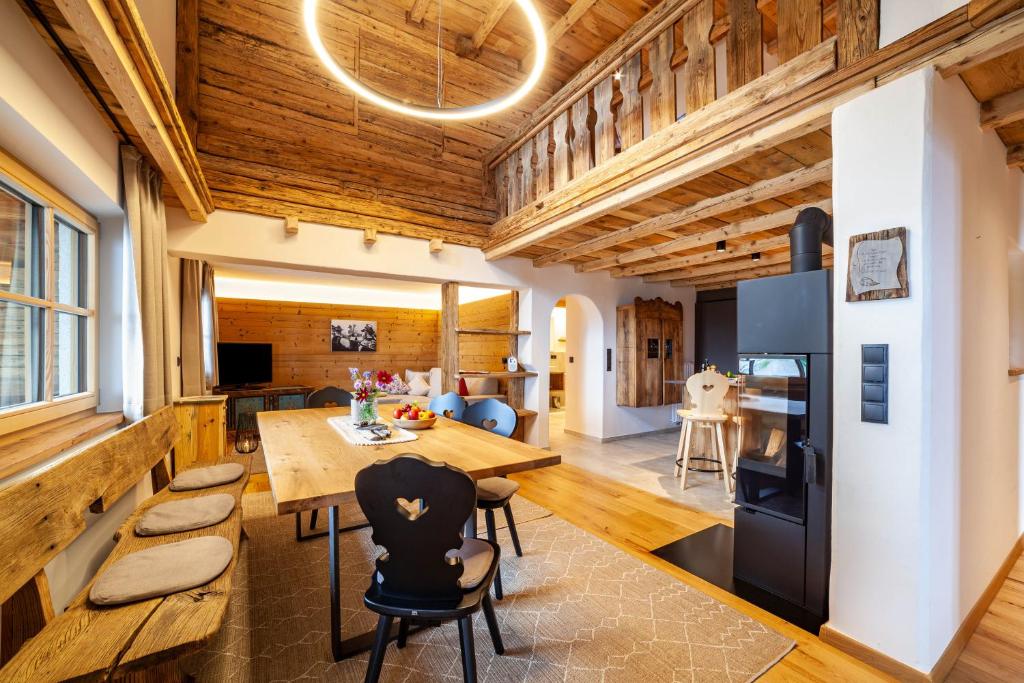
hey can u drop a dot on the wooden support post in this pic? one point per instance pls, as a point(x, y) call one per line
point(604, 126)
point(449, 360)
point(631, 111)
point(516, 385)
point(582, 156)
point(799, 23)
point(700, 60)
point(857, 25)
point(744, 50)
point(291, 226)
point(24, 615)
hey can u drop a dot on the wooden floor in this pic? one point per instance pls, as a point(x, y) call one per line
point(639, 522)
point(996, 650)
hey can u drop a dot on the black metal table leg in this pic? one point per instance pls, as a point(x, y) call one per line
point(300, 535)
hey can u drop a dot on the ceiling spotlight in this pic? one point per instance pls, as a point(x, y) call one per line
point(617, 75)
point(756, 256)
point(720, 247)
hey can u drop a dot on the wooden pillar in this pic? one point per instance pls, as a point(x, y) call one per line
point(449, 337)
point(516, 385)
point(856, 30)
point(744, 49)
point(24, 615)
point(604, 125)
point(799, 23)
point(700, 59)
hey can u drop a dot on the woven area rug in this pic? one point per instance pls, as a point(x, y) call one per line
point(575, 609)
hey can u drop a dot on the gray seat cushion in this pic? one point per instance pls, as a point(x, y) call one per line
point(476, 560)
point(495, 489)
point(207, 477)
point(185, 515)
point(163, 570)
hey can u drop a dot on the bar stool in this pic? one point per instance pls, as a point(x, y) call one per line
point(707, 391)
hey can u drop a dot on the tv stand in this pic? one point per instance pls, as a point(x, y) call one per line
point(258, 399)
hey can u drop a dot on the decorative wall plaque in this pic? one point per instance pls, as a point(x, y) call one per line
point(878, 266)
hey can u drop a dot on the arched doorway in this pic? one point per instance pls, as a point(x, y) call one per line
point(577, 368)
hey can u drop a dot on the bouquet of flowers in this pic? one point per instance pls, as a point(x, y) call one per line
point(368, 386)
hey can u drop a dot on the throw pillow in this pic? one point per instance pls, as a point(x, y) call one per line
point(409, 374)
point(434, 382)
point(463, 389)
point(418, 386)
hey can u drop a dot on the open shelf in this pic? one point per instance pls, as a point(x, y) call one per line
point(499, 375)
point(481, 331)
point(1016, 372)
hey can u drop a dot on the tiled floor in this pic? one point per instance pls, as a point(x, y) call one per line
point(644, 462)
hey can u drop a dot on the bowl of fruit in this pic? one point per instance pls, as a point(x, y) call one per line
point(411, 416)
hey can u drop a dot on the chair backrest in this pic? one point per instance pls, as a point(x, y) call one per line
point(417, 509)
point(492, 415)
point(707, 391)
point(41, 515)
point(450, 405)
point(329, 397)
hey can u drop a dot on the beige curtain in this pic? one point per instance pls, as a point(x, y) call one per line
point(198, 329)
point(148, 325)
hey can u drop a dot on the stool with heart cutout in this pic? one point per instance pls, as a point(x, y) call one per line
point(707, 391)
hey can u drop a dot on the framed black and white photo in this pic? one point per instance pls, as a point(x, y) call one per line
point(353, 335)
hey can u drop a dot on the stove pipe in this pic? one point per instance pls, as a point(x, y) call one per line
point(812, 228)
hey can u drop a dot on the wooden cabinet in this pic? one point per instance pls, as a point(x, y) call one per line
point(258, 400)
point(649, 342)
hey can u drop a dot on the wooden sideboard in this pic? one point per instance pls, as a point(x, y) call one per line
point(260, 399)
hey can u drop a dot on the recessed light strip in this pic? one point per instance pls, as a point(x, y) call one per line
point(309, 11)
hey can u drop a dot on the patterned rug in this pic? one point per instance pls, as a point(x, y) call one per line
point(575, 609)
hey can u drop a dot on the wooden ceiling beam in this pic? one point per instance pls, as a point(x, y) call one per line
point(418, 12)
point(701, 143)
point(734, 250)
point(726, 267)
point(706, 208)
point(491, 19)
point(747, 227)
point(116, 41)
point(981, 12)
point(1015, 156)
point(575, 12)
point(1003, 110)
point(728, 279)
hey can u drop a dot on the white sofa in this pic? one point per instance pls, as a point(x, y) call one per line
point(479, 389)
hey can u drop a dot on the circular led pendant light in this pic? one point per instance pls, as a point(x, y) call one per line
point(309, 8)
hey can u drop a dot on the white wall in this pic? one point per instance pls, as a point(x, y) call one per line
point(926, 507)
point(901, 17)
point(239, 238)
point(586, 380)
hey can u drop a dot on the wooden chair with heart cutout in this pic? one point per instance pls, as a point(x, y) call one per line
point(707, 392)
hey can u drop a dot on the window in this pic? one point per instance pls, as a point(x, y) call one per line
point(47, 311)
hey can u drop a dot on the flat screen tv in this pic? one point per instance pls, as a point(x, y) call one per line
point(239, 364)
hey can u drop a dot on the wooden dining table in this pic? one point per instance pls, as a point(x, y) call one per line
point(311, 466)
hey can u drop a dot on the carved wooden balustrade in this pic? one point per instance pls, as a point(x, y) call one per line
point(667, 72)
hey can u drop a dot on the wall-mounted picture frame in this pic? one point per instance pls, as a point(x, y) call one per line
point(878, 266)
point(348, 336)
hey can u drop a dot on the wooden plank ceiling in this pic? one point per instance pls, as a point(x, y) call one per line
point(278, 136)
point(998, 84)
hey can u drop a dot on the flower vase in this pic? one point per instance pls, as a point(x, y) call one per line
point(364, 412)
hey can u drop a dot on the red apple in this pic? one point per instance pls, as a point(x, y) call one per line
point(414, 414)
point(398, 413)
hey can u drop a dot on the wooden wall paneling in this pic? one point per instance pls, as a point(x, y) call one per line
point(526, 184)
point(300, 333)
point(501, 186)
point(744, 47)
point(663, 80)
point(449, 342)
point(202, 435)
point(560, 163)
point(631, 111)
point(542, 171)
point(484, 352)
point(582, 141)
point(857, 26)
point(604, 124)
point(700, 60)
point(799, 24)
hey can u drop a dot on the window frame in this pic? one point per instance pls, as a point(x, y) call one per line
point(54, 206)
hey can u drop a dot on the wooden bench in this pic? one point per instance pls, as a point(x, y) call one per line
point(42, 515)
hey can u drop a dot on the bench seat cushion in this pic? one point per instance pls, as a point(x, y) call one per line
point(494, 489)
point(185, 515)
point(207, 477)
point(162, 570)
